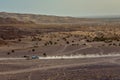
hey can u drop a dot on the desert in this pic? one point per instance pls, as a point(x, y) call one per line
point(68, 49)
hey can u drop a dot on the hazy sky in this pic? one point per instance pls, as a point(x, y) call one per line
point(78, 8)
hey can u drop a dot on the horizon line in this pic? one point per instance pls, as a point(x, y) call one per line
point(95, 16)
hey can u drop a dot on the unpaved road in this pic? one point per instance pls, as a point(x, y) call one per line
point(105, 59)
point(69, 52)
point(67, 57)
point(109, 58)
point(2, 59)
point(44, 68)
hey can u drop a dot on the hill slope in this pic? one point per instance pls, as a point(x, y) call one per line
point(41, 18)
point(9, 20)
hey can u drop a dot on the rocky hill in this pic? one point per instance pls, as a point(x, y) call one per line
point(41, 18)
point(8, 20)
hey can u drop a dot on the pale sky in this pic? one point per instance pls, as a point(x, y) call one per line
point(77, 8)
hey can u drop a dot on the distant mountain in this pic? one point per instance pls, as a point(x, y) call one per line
point(10, 29)
point(9, 20)
point(35, 18)
point(41, 18)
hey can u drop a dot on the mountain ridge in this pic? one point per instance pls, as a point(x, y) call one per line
point(41, 18)
point(38, 19)
point(9, 20)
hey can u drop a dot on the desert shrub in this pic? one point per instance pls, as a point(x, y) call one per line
point(84, 44)
point(103, 44)
point(36, 43)
point(64, 39)
point(84, 54)
point(119, 44)
point(67, 42)
point(33, 50)
point(8, 53)
point(19, 40)
point(12, 51)
point(55, 42)
point(89, 40)
point(106, 39)
point(110, 44)
point(25, 56)
point(99, 38)
point(50, 42)
point(45, 44)
point(114, 44)
point(44, 54)
point(39, 39)
point(73, 41)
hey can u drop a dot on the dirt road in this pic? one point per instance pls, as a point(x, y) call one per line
point(105, 59)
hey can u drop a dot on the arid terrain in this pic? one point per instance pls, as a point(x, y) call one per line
point(68, 48)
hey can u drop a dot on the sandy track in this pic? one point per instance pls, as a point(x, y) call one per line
point(110, 60)
point(67, 57)
point(79, 56)
point(47, 68)
point(61, 51)
point(1, 59)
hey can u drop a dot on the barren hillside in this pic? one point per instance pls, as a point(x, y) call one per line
point(49, 19)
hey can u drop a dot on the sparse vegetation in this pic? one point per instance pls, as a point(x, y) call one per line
point(19, 40)
point(12, 51)
point(84, 44)
point(8, 53)
point(44, 54)
point(67, 42)
point(97, 37)
point(55, 42)
point(33, 50)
